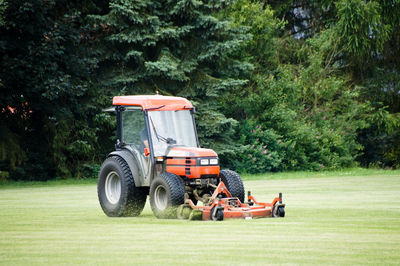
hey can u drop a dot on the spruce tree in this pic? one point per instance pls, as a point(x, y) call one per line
point(176, 48)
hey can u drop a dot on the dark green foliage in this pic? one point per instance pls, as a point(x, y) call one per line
point(176, 48)
point(381, 140)
point(361, 28)
point(261, 151)
point(278, 85)
point(304, 95)
point(43, 83)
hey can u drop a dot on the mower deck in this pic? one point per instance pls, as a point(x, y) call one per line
point(223, 206)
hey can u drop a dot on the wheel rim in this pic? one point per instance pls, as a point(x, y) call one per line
point(113, 187)
point(161, 197)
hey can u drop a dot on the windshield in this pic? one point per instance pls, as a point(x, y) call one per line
point(171, 128)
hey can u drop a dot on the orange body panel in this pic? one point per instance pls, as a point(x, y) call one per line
point(242, 212)
point(193, 171)
point(191, 152)
point(183, 162)
point(156, 102)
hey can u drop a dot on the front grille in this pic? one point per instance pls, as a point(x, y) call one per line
point(208, 176)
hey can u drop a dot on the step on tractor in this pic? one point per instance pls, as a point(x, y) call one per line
point(158, 154)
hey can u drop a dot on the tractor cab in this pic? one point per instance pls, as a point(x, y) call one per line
point(160, 132)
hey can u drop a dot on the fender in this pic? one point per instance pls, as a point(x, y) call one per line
point(131, 160)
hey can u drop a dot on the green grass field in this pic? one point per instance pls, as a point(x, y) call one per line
point(342, 217)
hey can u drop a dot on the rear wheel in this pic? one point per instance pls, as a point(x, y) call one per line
point(167, 192)
point(233, 183)
point(118, 195)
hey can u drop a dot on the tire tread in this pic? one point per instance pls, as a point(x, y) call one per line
point(136, 196)
point(177, 194)
point(132, 199)
point(233, 182)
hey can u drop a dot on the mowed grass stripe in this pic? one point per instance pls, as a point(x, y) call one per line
point(330, 220)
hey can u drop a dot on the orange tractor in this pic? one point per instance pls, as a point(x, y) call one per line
point(158, 154)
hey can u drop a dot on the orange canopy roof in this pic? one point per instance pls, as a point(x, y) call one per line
point(154, 102)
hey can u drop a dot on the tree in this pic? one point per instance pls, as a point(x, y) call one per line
point(174, 48)
point(43, 71)
point(300, 111)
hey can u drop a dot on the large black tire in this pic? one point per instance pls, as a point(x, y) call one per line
point(233, 183)
point(118, 195)
point(167, 192)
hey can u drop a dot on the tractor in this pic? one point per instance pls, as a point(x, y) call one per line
point(157, 153)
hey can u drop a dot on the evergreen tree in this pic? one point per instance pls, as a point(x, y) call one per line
point(43, 71)
point(176, 48)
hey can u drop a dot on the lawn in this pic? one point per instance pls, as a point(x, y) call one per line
point(331, 218)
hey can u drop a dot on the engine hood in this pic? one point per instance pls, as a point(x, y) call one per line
point(191, 152)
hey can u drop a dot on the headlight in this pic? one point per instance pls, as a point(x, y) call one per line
point(204, 162)
point(214, 161)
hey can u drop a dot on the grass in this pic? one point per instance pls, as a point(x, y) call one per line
point(331, 218)
point(330, 173)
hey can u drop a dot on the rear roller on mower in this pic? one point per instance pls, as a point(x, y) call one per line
point(222, 205)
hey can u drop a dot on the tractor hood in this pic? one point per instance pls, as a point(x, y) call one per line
point(191, 152)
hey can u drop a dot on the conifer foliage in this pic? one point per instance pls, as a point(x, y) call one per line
point(174, 48)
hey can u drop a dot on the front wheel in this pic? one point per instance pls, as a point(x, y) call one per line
point(167, 192)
